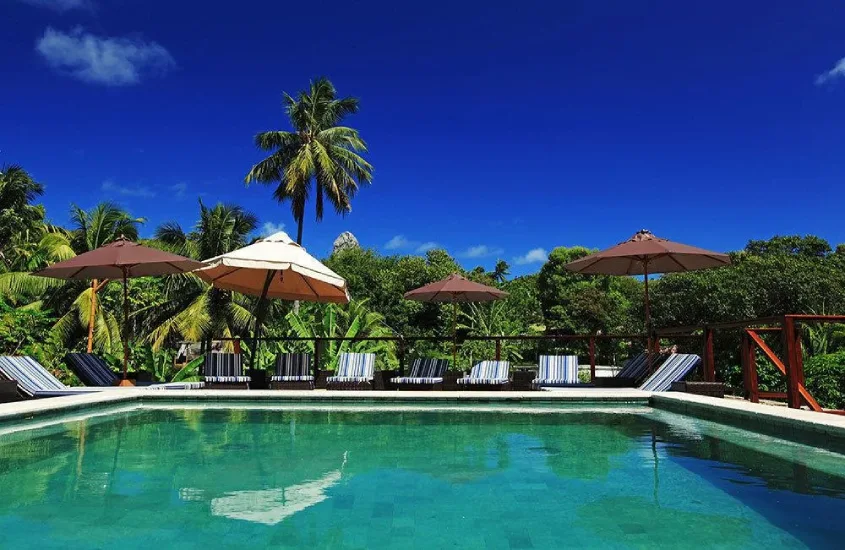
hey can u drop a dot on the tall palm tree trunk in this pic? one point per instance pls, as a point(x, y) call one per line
point(299, 230)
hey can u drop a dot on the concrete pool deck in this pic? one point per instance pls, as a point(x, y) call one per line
point(795, 424)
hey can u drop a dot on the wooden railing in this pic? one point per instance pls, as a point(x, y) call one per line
point(791, 366)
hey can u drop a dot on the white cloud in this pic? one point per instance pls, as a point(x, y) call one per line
point(533, 256)
point(480, 251)
point(141, 191)
point(425, 247)
point(61, 5)
point(397, 242)
point(179, 189)
point(269, 228)
point(838, 71)
point(113, 61)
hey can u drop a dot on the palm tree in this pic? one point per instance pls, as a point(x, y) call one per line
point(94, 228)
point(318, 150)
point(501, 271)
point(91, 229)
point(18, 217)
point(193, 309)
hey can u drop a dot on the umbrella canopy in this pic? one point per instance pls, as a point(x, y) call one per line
point(275, 267)
point(118, 259)
point(122, 259)
point(643, 254)
point(455, 288)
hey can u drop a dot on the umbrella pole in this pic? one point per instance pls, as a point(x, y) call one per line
point(647, 305)
point(125, 381)
point(455, 334)
point(647, 316)
point(260, 310)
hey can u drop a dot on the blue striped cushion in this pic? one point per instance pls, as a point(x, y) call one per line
point(488, 370)
point(228, 379)
point(673, 370)
point(634, 367)
point(177, 386)
point(306, 378)
point(355, 365)
point(417, 380)
point(349, 379)
point(224, 367)
point(293, 364)
point(482, 380)
point(557, 369)
point(91, 370)
point(29, 374)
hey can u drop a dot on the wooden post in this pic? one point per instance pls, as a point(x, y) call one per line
point(401, 353)
point(237, 344)
point(592, 359)
point(749, 369)
point(709, 356)
point(792, 345)
point(498, 350)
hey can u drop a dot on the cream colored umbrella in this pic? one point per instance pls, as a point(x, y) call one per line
point(274, 267)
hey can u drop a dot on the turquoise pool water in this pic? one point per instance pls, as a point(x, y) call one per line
point(248, 478)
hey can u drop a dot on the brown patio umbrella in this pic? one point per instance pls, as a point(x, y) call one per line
point(455, 288)
point(643, 254)
point(122, 259)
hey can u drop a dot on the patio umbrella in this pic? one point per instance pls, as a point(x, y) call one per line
point(122, 259)
point(274, 267)
point(454, 289)
point(644, 254)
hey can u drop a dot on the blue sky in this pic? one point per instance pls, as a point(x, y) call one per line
point(495, 131)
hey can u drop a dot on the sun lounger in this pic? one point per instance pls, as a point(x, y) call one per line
point(293, 372)
point(36, 381)
point(633, 372)
point(557, 371)
point(224, 371)
point(95, 373)
point(426, 374)
point(91, 370)
point(674, 369)
point(487, 375)
point(355, 371)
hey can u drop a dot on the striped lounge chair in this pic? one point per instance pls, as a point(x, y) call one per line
point(633, 371)
point(487, 375)
point(556, 371)
point(674, 369)
point(224, 371)
point(91, 370)
point(95, 373)
point(355, 371)
point(293, 372)
point(36, 381)
point(426, 374)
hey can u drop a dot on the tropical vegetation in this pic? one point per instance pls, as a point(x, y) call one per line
point(47, 318)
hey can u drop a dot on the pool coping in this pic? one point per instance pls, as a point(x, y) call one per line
point(794, 424)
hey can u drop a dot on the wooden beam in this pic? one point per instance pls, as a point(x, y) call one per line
point(802, 391)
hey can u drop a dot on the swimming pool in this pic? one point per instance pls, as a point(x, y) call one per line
point(179, 476)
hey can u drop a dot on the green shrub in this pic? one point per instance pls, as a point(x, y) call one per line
point(824, 377)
